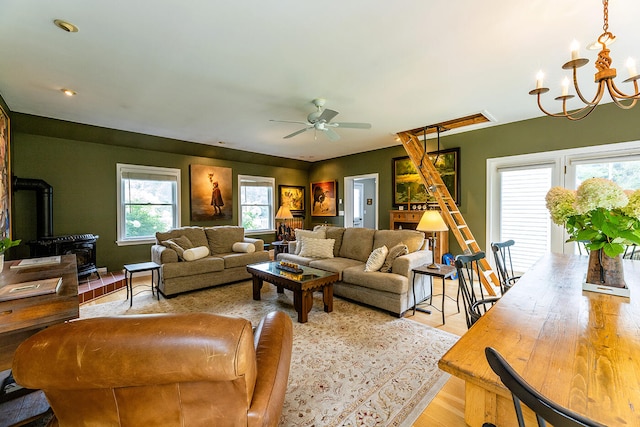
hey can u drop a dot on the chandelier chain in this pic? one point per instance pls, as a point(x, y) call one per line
point(605, 27)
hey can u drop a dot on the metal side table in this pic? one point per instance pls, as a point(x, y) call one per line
point(445, 272)
point(129, 269)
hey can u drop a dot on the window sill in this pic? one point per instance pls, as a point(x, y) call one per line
point(131, 242)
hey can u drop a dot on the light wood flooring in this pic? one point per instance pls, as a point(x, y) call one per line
point(447, 408)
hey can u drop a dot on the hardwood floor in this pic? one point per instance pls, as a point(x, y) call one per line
point(447, 408)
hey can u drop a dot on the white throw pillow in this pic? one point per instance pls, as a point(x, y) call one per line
point(301, 234)
point(376, 259)
point(195, 253)
point(316, 248)
point(243, 247)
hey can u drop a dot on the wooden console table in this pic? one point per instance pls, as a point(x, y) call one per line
point(21, 318)
point(576, 347)
point(409, 220)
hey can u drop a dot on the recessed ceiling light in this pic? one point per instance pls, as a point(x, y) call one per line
point(66, 26)
point(68, 92)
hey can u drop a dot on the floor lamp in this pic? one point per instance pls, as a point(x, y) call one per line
point(284, 214)
point(432, 221)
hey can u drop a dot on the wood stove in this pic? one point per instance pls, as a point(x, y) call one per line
point(83, 246)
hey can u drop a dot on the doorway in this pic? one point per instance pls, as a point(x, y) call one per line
point(361, 201)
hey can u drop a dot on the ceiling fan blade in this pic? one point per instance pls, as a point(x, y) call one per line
point(353, 125)
point(327, 115)
point(331, 134)
point(290, 121)
point(297, 132)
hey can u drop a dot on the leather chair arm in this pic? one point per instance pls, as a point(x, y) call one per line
point(273, 342)
point(138, 350)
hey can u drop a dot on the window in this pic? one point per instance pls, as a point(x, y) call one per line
point(523, 192)
point(256, 203)
point(149, 201)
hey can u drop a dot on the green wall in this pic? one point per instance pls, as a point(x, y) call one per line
point(79, 162)
point(607, 124)
point(83, 177)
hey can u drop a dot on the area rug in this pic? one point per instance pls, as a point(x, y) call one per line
point(355, 366)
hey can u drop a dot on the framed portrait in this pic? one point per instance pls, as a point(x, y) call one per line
point(324, 198)
point(407, 183)
point(211, 193)
point(292, 197)
point(5, 177)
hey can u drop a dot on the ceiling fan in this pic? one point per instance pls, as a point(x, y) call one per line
point(320, 120)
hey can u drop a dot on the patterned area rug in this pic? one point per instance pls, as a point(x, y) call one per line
point(353, 367)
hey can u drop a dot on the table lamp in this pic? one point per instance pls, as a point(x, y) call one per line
point(432, 221)
point(284, 214)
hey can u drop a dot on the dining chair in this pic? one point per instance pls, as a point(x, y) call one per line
point(630, 252)
point(546, 410)
point(470, 286)
point(504, 264)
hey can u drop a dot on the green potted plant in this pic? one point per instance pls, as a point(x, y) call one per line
point(5, 244)
point(604, 217)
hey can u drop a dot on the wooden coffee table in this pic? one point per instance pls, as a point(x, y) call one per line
point(301, 284)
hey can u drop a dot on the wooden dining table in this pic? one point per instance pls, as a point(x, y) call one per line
point(579, 348)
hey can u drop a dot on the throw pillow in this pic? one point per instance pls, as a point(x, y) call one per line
point(301, 234)
point(316, 248)
point(178, 244)
point(243, 247)
point(195, 253)
point(376, 259)
point(396, 251)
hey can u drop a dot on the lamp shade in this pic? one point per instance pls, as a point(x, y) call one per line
point(284, 213)
point(431, 221)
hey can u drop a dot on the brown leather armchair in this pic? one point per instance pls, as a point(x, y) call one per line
point(195, 369)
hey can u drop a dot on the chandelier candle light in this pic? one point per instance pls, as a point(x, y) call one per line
point(604, 77)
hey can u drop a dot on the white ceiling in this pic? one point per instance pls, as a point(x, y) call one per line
point(217, 71)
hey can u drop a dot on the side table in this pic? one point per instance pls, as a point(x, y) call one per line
point(445, 272)
point(279, 247)
point(138, 268)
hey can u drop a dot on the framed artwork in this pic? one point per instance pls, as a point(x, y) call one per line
point(324, 201)
point(292, 197)
point(5, 177)
point(407, 184)
point(211, 193)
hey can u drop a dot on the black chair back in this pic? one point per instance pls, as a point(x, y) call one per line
point(522, 392)
point(504, 264)
point(469, 271)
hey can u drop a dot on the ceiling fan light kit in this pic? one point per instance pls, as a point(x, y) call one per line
point(604, 77)
point(320, 120)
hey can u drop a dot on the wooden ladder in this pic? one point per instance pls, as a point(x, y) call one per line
point(448, 208)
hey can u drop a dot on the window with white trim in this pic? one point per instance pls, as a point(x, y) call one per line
point(257, 206)
point(148, 201)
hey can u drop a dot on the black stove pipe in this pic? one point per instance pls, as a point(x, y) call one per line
point(44, 202)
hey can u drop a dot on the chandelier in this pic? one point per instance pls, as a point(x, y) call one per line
point(603, 77)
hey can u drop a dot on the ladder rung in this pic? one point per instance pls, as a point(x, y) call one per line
point(468, 242)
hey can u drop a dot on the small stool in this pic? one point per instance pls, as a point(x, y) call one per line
point(138, 268)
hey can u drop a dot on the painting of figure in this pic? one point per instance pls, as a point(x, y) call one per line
point(211, 193)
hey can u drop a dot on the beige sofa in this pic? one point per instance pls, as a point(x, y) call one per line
point(352, 247)
point(224, 260)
